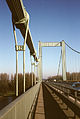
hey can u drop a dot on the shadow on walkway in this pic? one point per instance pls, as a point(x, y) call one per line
point(52, 109)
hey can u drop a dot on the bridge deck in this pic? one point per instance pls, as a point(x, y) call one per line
point(47, 107)
point(40, 113)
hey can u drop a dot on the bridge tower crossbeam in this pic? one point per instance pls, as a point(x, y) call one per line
point(52, 44)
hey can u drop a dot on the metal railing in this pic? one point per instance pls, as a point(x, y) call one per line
point(22, 107)
point(70, 93)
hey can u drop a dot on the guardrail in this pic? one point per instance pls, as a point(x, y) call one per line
point(70, 93)
point(22, 107)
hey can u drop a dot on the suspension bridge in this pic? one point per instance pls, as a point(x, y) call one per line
point(47, 99)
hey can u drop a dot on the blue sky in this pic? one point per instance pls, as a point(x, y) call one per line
point(50, 21)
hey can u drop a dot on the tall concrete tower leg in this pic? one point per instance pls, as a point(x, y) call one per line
point(34, 74)
point(16, 73)
point(37, 72)
point(40, 62)
point(24, 45)
point(24, 70)
point(20, 48)
point(63, 61)
point(16, 60)
point(31, 72)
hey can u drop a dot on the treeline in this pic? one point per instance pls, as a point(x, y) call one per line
point(75, 76)
point(8, 83)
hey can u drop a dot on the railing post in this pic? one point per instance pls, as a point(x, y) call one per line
point(75, 97)
point(63, 61)
point(68, 93)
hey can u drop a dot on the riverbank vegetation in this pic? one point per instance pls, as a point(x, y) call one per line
point(8, 83)
point(75, 76)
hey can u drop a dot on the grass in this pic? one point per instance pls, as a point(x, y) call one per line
point(8, 94)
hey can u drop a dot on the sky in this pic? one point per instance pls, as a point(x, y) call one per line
point(50, 21)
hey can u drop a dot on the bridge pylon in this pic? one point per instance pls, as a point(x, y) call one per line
point(20, 48)
point(52, 44)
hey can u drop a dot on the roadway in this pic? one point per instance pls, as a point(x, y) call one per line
point(50, 104)
point(55, 106)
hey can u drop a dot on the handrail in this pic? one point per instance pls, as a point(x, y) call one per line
point(69, 92)
point(21, 108)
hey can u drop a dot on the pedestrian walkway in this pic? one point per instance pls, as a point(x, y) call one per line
point(47, 107)
point(40, 113)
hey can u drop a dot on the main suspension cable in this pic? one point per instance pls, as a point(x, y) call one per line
point(72, 48)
